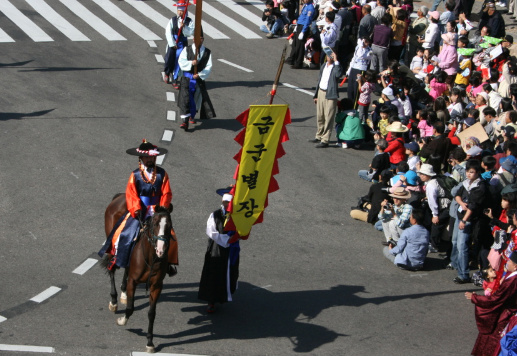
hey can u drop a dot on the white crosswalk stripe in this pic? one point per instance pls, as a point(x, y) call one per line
point(23, 22)
point(94, 21)
point(39, 19)
point(57, 20)
point(127, 20)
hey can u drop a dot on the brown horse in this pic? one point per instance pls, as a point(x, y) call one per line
point(148, 263)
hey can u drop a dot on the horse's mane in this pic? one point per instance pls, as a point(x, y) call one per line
point(161, 210)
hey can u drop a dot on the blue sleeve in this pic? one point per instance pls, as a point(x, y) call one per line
point(308, 20)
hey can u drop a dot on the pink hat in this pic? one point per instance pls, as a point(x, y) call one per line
point(435, 15)
point(449, 38)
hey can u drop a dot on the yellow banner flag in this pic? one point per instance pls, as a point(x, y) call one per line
point(262, 137)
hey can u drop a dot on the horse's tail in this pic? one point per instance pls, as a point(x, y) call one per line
point(106, 262)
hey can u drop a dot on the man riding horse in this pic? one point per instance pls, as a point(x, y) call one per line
point(147, 188)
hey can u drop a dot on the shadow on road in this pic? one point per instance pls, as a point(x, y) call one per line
point(4, 116)
point(262, 314)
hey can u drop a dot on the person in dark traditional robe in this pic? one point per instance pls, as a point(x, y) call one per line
point(178, 29)
point(221, 268)
point(494, 312)
point(193, 95)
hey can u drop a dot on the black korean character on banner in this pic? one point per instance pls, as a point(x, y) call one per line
point(264, 127)
point(260, 150)
point(246, 205)
point(251, 179)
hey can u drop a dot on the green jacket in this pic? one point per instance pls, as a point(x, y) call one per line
point(350, 127)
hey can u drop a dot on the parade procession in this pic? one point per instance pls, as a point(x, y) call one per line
point(258, 177)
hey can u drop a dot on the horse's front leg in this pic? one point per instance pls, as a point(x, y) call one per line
point(113, 304)
point(130, 307)
point(156, 290)
point(123, 287)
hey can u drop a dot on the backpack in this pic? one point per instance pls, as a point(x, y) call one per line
point(446, 183)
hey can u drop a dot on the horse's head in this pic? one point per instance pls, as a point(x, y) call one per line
point(161, 230)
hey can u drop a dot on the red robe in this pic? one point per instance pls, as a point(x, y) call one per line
point(492, 315)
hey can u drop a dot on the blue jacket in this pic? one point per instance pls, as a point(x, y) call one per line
point(306, 15)
point(412, 246)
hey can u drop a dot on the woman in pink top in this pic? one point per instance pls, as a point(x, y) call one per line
point(448, 56)
point(438, 85)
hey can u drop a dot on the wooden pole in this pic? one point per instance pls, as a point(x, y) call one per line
point(278, 73)
point(197, 29)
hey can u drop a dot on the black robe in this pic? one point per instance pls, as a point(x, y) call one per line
point(213, 286)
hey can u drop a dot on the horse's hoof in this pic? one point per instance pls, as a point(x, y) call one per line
point(113, 307)
point(123, 298)
point(122, 321)
point(149, 349)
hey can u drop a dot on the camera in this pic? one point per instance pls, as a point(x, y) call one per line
point(392, 243)
point(388, 206)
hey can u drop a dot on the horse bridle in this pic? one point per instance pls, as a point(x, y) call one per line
point(152, 238)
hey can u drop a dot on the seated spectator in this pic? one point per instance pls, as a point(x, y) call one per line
point(400, 170)
point(274, 20)
point(488, 164)
point(396, 147)
point(457, 160)
point(505, 176)
point(380, 162)
point(411, 249)
point(349, 129)
point(440, 145)
point(395, 217)
point(377, 193)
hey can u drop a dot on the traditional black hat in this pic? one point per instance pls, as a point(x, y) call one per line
point(146, 149)
point(513, 257)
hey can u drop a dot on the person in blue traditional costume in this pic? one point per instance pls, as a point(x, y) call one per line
point(178, 29)
point(221, 268)
point(148, 187)
point(193, 95)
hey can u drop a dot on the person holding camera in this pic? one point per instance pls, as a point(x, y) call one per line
point(395, 217)
point(411, 249)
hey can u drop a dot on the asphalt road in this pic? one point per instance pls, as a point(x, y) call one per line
point(313, 280)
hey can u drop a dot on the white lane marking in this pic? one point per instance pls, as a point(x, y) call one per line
point(208, 29)
point(4, 37)
point(160, 159)
point(75, 175)
point(138, 353)
point(33, 236)
point(85, 266)
point(127, 20)
point(152, 44)
point(167, 135)
point(229, 22)
point(159, 58)
point(57, 20)
point(26, 348)
point(95, 22)
point(242, 11)
point(298, 89)
point(418, 275)
point(2, 319)
point(23, 22)
point(258, 4)
point(149, 12)
point(170, 96)
point(49, 292)
point(171, 115)
point(235, 65)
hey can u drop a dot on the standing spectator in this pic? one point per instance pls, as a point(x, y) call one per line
point(432, 32)
point(411, 248)
point(382, 35)
point(438, 203)
point(417, 29)
point(379, 11)
point(325, 99)
point(447, 16)
point(470, 197)
point(492, 19)
point(366, 87)
point(399, 32)
point(221, 266)
point(329, 33)
point(449, 57)
point(440, 145)
point(301, 33)
point(358, 64)
point(367, 23)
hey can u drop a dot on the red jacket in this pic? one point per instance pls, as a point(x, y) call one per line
point(396, 150)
